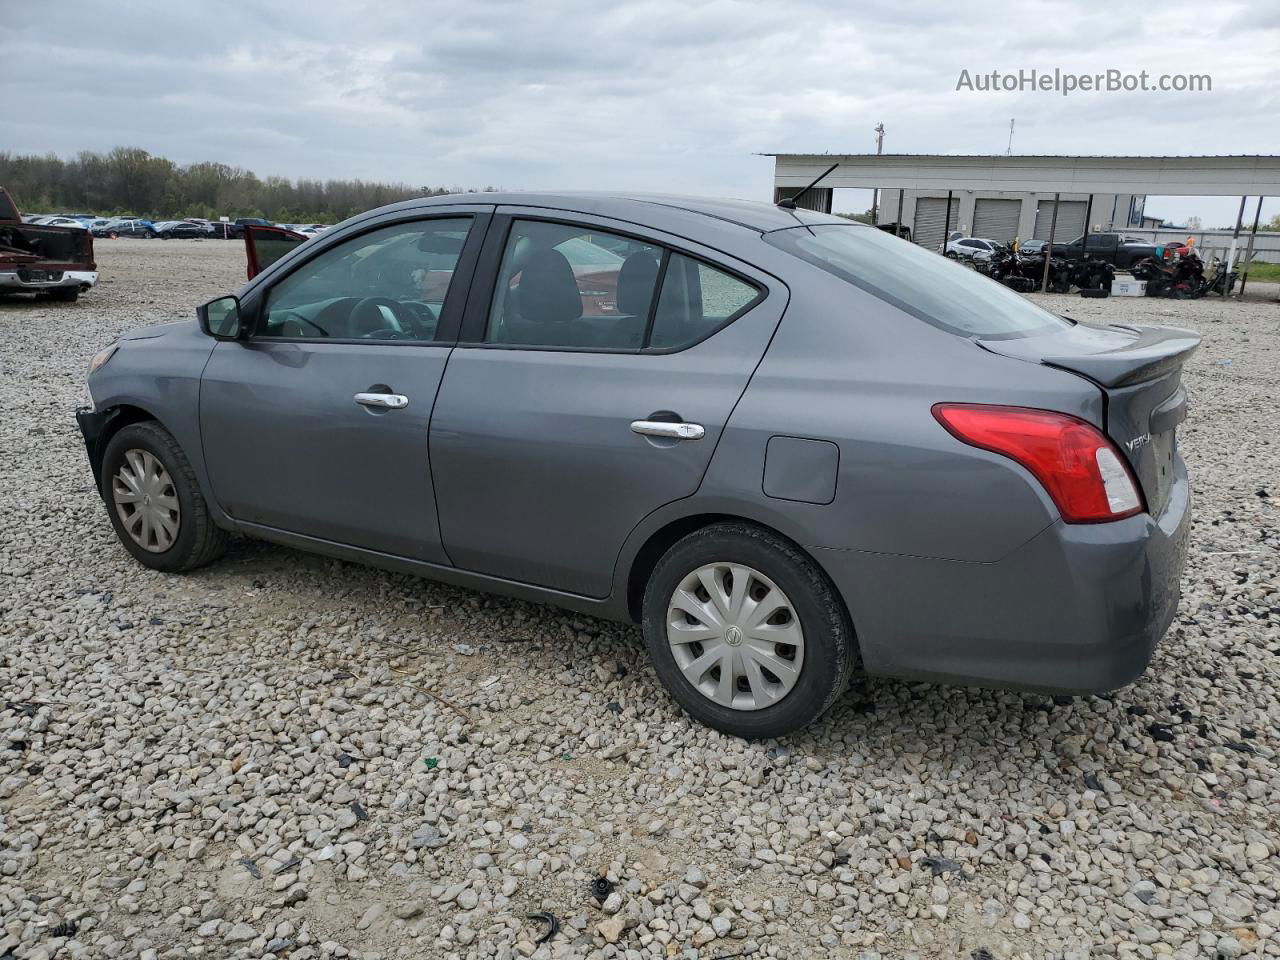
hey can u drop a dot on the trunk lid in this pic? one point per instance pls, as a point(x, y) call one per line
point(1139, 371)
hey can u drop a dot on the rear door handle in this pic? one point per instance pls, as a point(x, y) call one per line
point(390, 401)
point(672, 431)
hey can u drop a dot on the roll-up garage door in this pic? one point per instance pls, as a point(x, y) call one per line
point(931, 221)
point(996, 219)
point(1070, 220)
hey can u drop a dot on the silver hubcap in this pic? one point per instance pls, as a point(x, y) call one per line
point(146, 501)
point(735, 636)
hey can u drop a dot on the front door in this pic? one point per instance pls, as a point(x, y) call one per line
point(598, 379)
point(317, 423)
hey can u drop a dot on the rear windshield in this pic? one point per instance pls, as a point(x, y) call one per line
point(924, 284)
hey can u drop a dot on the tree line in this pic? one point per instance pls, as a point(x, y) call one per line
point(129, 180)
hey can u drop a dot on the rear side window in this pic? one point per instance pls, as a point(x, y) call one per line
point(573, 286)
point(697, 299)
point(581, 288)
point(917, 281)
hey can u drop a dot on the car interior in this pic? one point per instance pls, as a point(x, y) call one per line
point(388, 285)
point(560, 287)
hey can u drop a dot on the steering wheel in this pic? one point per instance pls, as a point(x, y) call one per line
point(404, 316)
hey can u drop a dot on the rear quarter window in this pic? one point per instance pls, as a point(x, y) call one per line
point(923, 284)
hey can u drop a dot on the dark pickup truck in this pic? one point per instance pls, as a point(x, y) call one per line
point(1115, 248)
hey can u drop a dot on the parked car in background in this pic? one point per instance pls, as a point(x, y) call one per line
point(971, 248)
point(785, 443)
point(61, 221)
point(138, 229)
point(1033, 246)
point(236, 231)
point(38, 258)
point(182, 229)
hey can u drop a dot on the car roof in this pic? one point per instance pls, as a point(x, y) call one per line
point(640, 207)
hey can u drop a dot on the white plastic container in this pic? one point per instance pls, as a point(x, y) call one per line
point(1128, 287)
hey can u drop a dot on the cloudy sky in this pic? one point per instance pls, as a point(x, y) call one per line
point(675, 95)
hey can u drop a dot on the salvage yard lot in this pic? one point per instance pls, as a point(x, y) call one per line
point(283, 755)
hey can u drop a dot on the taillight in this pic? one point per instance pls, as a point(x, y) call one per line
point(1080, 468)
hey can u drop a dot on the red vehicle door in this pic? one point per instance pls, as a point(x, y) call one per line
point(265, 245)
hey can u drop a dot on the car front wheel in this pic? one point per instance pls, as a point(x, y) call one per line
point(155, 503)
point(746, 632)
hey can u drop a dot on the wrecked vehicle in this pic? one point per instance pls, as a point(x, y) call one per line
point(43, 259)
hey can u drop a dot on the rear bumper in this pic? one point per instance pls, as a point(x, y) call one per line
point(12, 280)
point(1077, 609)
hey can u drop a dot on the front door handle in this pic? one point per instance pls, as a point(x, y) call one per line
point(389, 401)
point(672, 431)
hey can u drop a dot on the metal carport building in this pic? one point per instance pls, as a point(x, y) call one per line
point(1053, 180)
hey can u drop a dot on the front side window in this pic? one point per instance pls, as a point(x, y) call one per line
point(388, 284)
point(925, 285)
point(573, 286)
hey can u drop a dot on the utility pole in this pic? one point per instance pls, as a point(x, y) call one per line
point(875, 194)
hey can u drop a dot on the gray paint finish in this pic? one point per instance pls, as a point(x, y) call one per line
point(953, 561)
point(800, 469)
point(288, 446)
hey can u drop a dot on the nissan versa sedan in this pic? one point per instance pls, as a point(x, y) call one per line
point(785, 443)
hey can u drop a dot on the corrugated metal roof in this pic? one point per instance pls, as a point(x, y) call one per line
point(1036, 156)
point(1210, 175)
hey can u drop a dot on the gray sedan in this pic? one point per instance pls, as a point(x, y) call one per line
point(788, 445)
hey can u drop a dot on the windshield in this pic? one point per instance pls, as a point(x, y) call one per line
point(927, 286)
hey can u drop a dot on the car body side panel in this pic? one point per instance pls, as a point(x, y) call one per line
point(1077, 609)
point(129, 379)
point(850, 369)
point(289, 447)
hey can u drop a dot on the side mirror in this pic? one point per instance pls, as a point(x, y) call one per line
point(220, 318)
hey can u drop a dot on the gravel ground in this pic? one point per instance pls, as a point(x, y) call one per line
point(286, 756)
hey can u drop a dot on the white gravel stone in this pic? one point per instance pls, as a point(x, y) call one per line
point(246, 755)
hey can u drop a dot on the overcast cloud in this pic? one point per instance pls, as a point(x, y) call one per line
point(673, 95)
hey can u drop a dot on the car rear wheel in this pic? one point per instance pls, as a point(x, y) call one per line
point(746, 632)
point(155, 503)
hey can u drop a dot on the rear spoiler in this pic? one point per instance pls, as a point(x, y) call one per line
point(1154, 352)
point(1125, 354)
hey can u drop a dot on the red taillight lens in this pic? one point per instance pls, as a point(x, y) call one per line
point(1080, 468)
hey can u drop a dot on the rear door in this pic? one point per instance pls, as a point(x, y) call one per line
point(317, 423)
point(597, 369)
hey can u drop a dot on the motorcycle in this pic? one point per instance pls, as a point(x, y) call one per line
point(1025, 272)
point(1182, 278)
point(1091, 273)
point(1220, 277)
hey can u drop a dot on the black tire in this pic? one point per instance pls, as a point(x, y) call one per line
point(65, 294)
point(830, 648)
point(199, 540)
